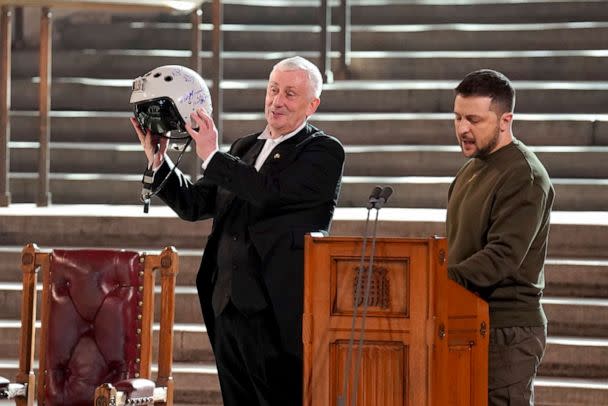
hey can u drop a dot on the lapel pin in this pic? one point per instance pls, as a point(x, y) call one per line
point(277, 156)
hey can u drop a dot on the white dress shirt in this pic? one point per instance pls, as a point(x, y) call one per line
point(266, 149)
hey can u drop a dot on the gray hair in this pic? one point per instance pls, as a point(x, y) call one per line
point(298, 63)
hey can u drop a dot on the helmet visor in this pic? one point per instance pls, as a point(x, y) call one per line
point(159, 116)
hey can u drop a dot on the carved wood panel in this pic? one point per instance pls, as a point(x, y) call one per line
point(383, 373)
point(389, 290)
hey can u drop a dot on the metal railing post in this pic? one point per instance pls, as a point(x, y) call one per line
point(325, 57)
point(46, 44)
point(217, 47)
point(196, 18)
point(345, 40)
point(19, 39)
point(5, 104)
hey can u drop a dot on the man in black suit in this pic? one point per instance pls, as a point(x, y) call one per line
point(263, 195)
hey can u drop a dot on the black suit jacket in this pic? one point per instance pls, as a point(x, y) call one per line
point(295, 192)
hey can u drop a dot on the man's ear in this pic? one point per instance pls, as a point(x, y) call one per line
point(312, 106)
point(505, 121)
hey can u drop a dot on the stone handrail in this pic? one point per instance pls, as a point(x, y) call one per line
point(43, 195)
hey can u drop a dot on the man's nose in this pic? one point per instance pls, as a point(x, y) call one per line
point(277, 100)
point(462, 127)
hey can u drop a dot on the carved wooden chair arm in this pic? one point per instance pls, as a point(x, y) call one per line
point(10, 390)
point(130, 392)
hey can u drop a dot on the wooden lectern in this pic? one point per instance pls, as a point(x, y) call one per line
point(426, 337)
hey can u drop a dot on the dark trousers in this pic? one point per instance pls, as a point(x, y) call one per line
point(514, 356)
point(252, 367)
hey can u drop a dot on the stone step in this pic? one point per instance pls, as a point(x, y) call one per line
point(432, 192)
point(361, 160)
point(350, 128)
point(517, 65)
point(568, 277)
point(570, 162)
point(567, 316)
point(572, 234)
point(409, 191)
point(577, 357)
point(371, 65)
point(187, 306)
point(401, 12)
point(393, 96)
point(277, 37)
point(565, 277)
point(566, 391)
point(12, 402)
point(195, 383)
point(10, 260)
point(577, 316)
point(190, 341)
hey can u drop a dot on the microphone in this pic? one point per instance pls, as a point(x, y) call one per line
point(373, 197)
point(383, 197)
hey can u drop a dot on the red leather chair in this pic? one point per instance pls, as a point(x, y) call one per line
point(96, 328)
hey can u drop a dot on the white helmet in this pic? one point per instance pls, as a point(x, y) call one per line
point(164, 98)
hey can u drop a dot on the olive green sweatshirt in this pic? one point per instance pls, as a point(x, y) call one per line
point(497, 228)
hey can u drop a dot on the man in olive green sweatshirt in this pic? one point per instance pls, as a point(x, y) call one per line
point(497, 226)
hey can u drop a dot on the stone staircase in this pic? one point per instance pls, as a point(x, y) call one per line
point(394, 118)
point(576, 355)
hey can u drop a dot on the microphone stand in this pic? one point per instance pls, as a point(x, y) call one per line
point(384, 194)
point(382, 198)
point(373, 199)
point(377, 199)
point(368, 284)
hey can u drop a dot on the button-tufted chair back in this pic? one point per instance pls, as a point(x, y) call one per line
point(93, 330)
point(97, 313)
